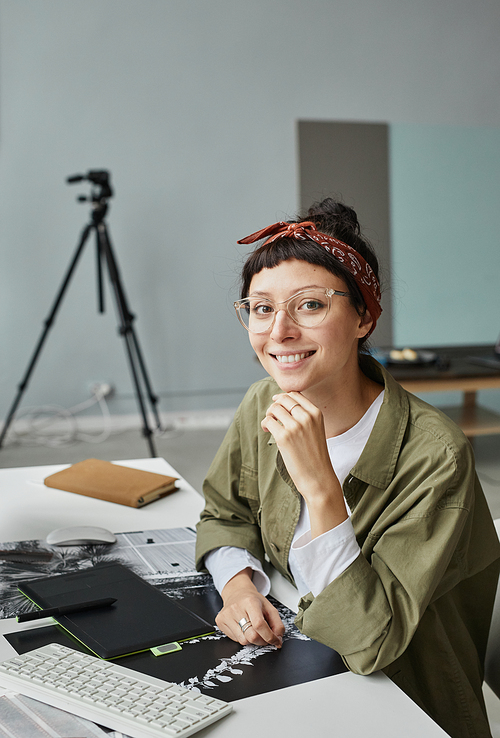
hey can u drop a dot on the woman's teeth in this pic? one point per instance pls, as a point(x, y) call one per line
point(291, 358)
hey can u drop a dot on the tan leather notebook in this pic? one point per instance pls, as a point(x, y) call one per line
point(112, 482)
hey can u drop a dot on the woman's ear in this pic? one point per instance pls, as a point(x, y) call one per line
point(365, 324)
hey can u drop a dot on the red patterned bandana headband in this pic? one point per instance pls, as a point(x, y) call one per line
point(349, 257)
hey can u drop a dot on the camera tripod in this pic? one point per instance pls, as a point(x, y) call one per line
point(101, 192)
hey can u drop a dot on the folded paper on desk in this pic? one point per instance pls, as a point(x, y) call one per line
point(112, 482)
point(141, 618)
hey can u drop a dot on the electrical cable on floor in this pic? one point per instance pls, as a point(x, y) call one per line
point(55, 426)
point(41, 420)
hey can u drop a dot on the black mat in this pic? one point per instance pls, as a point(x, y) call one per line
point(215, 664)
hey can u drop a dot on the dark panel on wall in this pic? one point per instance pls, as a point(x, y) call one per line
point(350, 161)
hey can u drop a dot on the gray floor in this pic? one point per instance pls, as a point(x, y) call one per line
point(190, 453)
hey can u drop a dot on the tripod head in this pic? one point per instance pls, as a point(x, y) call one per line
point(99, 178)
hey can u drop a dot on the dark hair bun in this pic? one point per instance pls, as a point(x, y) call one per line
point(340, 221)
point(334, 217)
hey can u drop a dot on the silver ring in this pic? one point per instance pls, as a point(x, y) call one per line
point(297, 404)
point(244, 624)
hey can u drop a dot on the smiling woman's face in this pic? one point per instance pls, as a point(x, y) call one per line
point(307, 360)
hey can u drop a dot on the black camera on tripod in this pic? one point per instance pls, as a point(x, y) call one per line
point(97, 177)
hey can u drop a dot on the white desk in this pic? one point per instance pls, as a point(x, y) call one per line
point(344, 704)
point(29, 509)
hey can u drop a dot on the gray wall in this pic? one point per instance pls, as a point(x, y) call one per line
point(192, 106)
point(351, 161)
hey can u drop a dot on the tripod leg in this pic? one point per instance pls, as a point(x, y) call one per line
point(153, 399)
point(125, 331)
point(129, 318)
point(100, 288)
point(137, 366)
point(48, 324)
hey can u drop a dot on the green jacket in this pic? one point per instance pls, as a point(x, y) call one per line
point(417, 602)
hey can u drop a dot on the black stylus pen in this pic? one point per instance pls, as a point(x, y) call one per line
point(65, 609)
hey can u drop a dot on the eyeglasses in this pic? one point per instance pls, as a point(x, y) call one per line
point(307, 309)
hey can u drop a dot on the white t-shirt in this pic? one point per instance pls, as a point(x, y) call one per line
point(316, 562)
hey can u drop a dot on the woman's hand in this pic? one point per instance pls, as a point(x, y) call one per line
point(242, 600)
point(298, 429)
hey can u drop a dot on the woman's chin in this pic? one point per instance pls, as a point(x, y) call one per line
point(289, 384)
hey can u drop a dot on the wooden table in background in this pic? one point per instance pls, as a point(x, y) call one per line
point(454, 370)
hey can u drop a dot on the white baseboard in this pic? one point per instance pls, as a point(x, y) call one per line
point(187, 420)
point(198, 419)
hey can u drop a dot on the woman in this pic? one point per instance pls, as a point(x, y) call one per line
point(361, 494)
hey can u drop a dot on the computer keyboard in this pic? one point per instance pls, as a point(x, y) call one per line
point(111, 695)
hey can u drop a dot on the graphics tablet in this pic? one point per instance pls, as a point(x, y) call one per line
point(141, 618)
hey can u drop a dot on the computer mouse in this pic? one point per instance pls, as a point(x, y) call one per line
point(79, 535)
